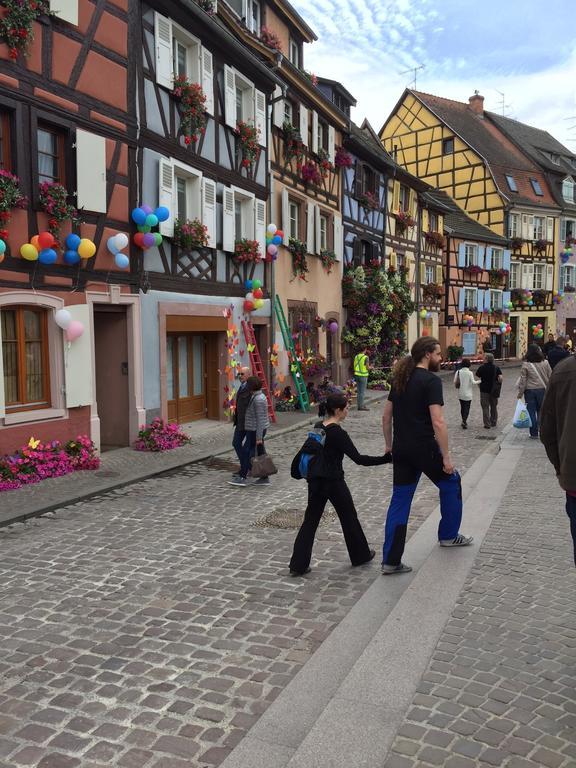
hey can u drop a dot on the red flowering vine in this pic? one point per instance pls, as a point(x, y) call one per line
point(16, 24)
point(343, 158)
point(310, 173)
point(248, 136)
point(270, 39)
point(192, 108)
point(54, 202)
point(247, 250)
point(10, 197)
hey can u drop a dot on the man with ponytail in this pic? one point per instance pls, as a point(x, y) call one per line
point(420, 445)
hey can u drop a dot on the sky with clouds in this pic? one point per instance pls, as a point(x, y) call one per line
point(526, 51)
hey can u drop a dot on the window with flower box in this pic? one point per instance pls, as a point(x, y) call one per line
point(243, 217)
point(515, 275)
point(25, 358)
point(323, 230)
point(51, 144)
point(497, 258)
point(567, 277)
point(496, 299)
point(188, 195)
point(5, 149)
point(470, 255)
point(539, 277)
point(539, 231)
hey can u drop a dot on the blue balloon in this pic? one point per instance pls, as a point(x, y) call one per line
point(71, 257)
point(162, 213)
point(72, 242)
point(111, 245)
point(248, 285)
point(122, 261)
point(276, 240)
point(47, 256)
point(138, 216)
point(2, 247)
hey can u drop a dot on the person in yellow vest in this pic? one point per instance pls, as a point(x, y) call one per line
point(361, 368)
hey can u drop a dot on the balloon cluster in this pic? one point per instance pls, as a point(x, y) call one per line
point(2, 250)
point(566, 253)
point(556, 297)
point(274, 237)
point(115, 244)
point(145, 219)
point(468, 320)
point(526, 299)
point(508, 306)
point(77, 248)
point(424, 314)
point(503, 327)
point(42, 248)
point(537, 331)
point(72, 328)
point(254, 295)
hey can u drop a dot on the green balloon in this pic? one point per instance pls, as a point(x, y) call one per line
point(157, 238)
point(256, 284)
point(144, 228)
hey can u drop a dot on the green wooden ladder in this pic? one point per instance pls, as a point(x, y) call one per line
point(293, 361)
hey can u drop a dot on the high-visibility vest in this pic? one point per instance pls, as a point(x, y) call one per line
point(361, 364)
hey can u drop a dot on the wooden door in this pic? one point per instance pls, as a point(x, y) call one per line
point(186, 376)
point(112, 374)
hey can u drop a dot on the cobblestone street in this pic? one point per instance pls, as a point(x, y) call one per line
point(152, 625)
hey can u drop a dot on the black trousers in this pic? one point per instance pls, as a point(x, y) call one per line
point(465, 410)
point(319, 492)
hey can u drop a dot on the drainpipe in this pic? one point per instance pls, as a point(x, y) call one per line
point(418, 260)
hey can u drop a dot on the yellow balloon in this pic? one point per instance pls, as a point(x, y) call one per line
point(86, 249)
point(28, 252)
point(258, 303)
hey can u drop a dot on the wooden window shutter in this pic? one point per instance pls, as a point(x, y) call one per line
point(78, 369)
point(549, 277)
point(439, 275)
point(412, 203)
point(461, 299)
point(481, 297)
point(425, 220)
point(228, 220)
point(338, 237)
point(286, 216)
point(229, 96)
point(260, 117)
point(505, 297)
point(209, 209)
point(163, 44)
point(166, 194)
point(481, 252)
point(314, 131)
point(278, 108)
point(550, 229)
point(310, 227)
point(260, 225)
point(304, 125)
point(317, 237)
point(392, 260)
point(91, 171)
point(208, 79)
point(488, 258)
point(67, 10)
point(396, 197)
point(359, 179)
point(506, 259)
point(462, 255)
point(331, 143)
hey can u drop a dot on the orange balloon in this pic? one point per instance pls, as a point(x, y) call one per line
point(35, 242)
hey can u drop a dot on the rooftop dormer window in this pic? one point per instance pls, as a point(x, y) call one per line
point(511, 181)
point(568, 190)
point(536, 187)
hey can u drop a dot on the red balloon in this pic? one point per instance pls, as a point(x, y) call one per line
point(46, 240)
point(257, 293)
point(248, 306)
point(279, 233)
point(139, 239)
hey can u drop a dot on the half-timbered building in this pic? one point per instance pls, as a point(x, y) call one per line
point(68, 135)
point(453, 147)
point(212, 175)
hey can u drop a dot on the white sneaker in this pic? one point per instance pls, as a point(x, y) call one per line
point(459, 541)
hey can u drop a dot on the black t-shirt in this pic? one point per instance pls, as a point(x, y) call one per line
point(411, 409)
point(488, 373)
point(338, 444)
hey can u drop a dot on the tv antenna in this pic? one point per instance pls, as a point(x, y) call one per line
point(414, 70)
point(503, 104)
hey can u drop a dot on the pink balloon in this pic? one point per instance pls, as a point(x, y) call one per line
point(74, 330)
point(272, 249)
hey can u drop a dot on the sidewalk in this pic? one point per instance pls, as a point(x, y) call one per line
point(469, 661)
point(125, 465)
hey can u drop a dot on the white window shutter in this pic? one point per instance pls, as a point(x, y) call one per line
point(488, 258)
point(481, 252)
point(260, 225)
point(229, 96)
point(304, 125)
point(524, 279)
point(78, 361)
point(163, 43)
point(310, 227)
point(285, 216)
point(260, 116)
point(314, 131)
point(228, 220)
point(207, 70)
point(562, 231)
point(91, 171)
point(550, 229)
point(331, 143)
point(338, 237)
point(67, 10)
point(506, 258)
point(549, 277)
point(462, 299)
point(317, 236)
point(462, 255)
point(166, 194)
point(209, 210)
point(278, 108)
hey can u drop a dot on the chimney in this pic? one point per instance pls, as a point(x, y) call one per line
point(476, 103)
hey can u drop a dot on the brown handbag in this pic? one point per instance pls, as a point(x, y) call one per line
point(263, 466)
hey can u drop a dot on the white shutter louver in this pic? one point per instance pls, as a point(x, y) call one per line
point(549, 277)
point(550, 229)
point(314, 131)
point(229, 96)
point(163, 43)
point(285, 216)
point(166, 194)
point(310, 227)
point(91, 171)
point(331, 143)
point(260, 117)
point(278, 108)
point(208, 80)
point(228, 220)
point(260, 225)
point(304, 125)
point(338, 237)
point(209, 210)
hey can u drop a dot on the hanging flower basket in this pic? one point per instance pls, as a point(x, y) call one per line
point(248, 136)
point(247, 251)
point(293, 146)
point(473, 269)
point(54, 201)
point(270, 39)
point(497, 276)
point(328, 259)
point(16, 24)
point(192, 108)
point(368, 201)
point(324, 164)
point(10, 198)
point(298, 251)
point(434, 239)
point(343, 158)
point(403, 222)
point(189, 235)
point(310, 173)
point(432, 291)
point(516, 243)
point(541, 245)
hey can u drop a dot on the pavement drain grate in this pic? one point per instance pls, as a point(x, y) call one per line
point(107, 473)
point(220, 464)
point(281, 517)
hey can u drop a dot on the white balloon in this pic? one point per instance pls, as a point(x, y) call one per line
point(121, 240)
point(63, 318)
point(271, 229)
point(250, 296)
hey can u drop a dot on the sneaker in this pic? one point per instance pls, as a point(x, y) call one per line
point(371, 557)
point(262, 481)
point(534, 437)
point(364, 409)
point(239, 481)
point(464, 426)
point(299, 573)
point(235, 476)
point(388, 570)
point(459, 541)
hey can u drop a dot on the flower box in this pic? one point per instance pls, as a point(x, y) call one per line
point(271, 39)
point(432, 291)
point(540, 246)
point(343, 158)
point(434, 239)
point(473, 269)
point(311, 173)
point(247, 251)
point(293, 146)
point(298, 251)
point(192, 108)
point(368, 201)
point(190, 235)
point(516, 243)
point(497, 276)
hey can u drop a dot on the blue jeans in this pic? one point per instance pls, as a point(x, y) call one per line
point(238, 442)
point(534, 398)
point(571, 510)
point(362, 385)
point(249, 450)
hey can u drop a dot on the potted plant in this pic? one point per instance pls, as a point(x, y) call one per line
point(17, 23)
point(189, 235)
point(434, 239)
point(10, 197)
point(497, 276)
point(368, 201)
point(192, 108)
point(270, 39)
point(54, 201)
point(324, 164)
point(207, 6)
point(516, 243)
point(454, 352)
point(310, 173)
point(298, 251)
point(343, 158)
point(328, 259)
point(293, 146)
point(473, 269)
point(247, 251)
point(404, 221)
point(247, 142)
point(432, 291)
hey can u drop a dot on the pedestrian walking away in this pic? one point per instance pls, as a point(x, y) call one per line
point(361, 370)
point(532, 383)
point(557, 352)
point(557, 430)
point(550, 344)
point(256, 422)
point(416, 434)
point(490, 377)
point(242, 399)
point(326, 483)
point(465, 382)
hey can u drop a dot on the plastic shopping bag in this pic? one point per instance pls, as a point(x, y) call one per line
point(521, 418)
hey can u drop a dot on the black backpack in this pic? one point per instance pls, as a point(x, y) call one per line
point(308, 455)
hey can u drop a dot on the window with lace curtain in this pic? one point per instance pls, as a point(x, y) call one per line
point(51, 155)
point(25, 356)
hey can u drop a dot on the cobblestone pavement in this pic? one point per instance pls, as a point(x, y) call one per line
point(500, 687)
point(151, 626)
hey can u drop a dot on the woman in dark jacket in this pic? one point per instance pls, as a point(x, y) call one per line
point(326, 483)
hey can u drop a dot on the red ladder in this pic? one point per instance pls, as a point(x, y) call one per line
point(257, 367)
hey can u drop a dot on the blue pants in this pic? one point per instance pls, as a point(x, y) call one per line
point(238, 442)
point(361, 386)
point(571, 510)
point(534, 398)
point(408, 466)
